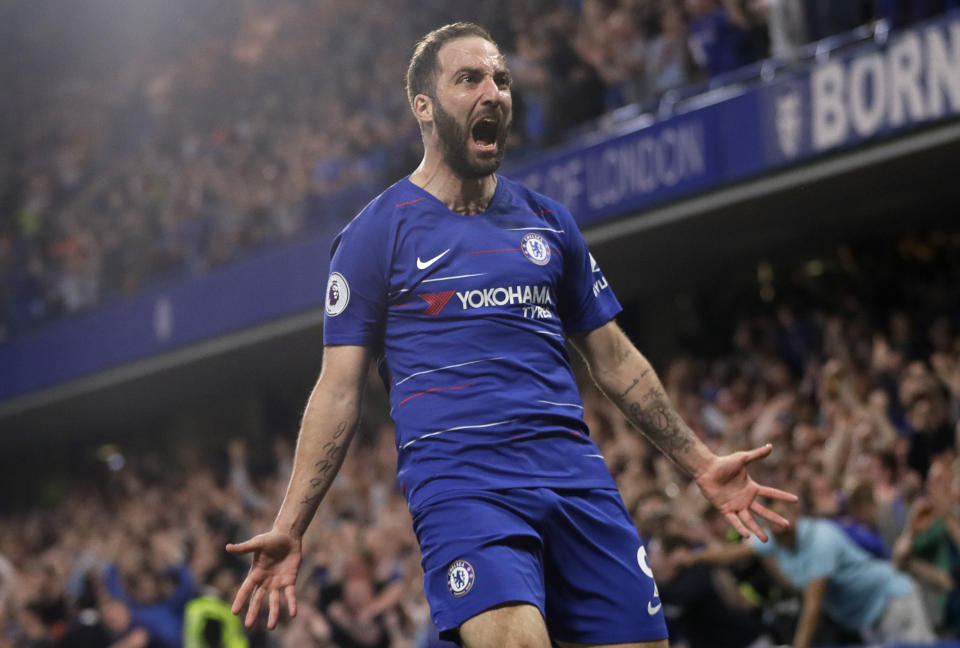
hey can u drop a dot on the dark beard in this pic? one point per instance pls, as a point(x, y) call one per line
point(454, 140)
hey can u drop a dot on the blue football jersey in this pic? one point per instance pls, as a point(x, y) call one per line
point(467, 316)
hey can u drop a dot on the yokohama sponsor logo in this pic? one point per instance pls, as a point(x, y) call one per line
point(505, 295)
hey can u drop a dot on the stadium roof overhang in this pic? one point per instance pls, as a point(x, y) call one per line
point(895, 186)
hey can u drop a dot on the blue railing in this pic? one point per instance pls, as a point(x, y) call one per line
point(848, 90)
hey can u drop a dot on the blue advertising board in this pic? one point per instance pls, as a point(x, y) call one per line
point(865, 93)
point(873, 91)
point(281, 282)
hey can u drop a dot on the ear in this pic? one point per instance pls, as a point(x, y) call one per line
point(423, 108)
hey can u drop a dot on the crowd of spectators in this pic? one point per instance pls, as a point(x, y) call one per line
point(162, 138)
point(852, 372)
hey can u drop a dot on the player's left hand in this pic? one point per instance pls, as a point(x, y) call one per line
point(729, 487)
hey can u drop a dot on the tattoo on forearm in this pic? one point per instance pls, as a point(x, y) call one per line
point(636, 381)
point(657, 419)
point(332, 451)
point(622, 350)
point(627, 390)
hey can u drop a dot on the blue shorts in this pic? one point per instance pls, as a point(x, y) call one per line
point(575, 554)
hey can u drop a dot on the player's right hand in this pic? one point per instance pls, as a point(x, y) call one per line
point(276, 560)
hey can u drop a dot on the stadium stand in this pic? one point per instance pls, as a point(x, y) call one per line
point(861, 400)
point(208, 150)
point(240, 128)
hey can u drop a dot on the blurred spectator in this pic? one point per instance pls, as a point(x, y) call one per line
point(196, 151)
point(614, 46)
point(860, 523)
point(821, 377)
point(531, 79)
point(668, 61)
point(861, 593)
point(120, 629)
point(575, 92)
point(929, 422)
point(156, 598)
point(208, 621)
point(718, 35)
point(696, 612)
point(785, 24)
point(930, 545)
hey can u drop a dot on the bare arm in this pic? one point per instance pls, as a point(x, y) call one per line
point(929, 574)
point(328, 425)
point(813, 597)
point(722, 554)
point(624, 375)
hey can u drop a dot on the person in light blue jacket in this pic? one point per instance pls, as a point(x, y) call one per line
point(858, 591)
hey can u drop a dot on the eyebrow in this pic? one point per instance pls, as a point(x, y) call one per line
point(504, 71)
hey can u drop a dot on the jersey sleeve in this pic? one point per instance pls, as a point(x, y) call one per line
point(586, 301)
point(356, 293)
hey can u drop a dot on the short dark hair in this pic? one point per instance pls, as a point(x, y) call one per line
point(422, 71)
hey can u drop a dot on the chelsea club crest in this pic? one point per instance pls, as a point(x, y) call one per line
point(460, 577)
point(535, 248)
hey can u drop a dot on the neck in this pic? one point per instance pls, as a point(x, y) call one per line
point(461, 195)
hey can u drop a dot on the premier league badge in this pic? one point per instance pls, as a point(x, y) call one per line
point(338, 294)
point(460, 577)
point(535, 248)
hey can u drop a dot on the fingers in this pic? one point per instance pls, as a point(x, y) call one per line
point(243, 594)
point(757, 453)
point(273, 603)
point(737, 524)
point(751, 524)
point(776, 493)
point(245, 547)
point(769, 515)
point(254, 608)
point(291, 593)
point(274, 607)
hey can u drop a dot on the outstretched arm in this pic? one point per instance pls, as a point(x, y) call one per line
point(328, 425)
point(624, 375)
point(813, 596)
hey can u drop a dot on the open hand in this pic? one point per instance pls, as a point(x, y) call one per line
point(276, 560)
point(729, 487)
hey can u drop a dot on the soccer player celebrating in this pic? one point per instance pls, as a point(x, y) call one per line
point(464, 285)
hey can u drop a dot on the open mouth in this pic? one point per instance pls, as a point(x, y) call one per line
point(484, 133)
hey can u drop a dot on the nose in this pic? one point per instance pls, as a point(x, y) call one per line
point(490, 93)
